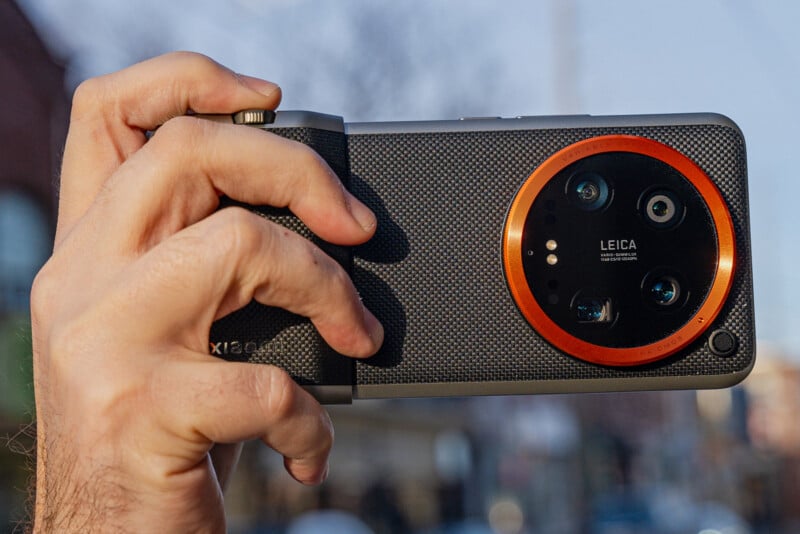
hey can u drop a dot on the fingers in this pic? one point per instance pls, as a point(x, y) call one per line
point(110, 115)
point(176, 179)
point(224, 261)
point(227, 402)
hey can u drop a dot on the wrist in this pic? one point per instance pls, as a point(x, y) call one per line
point(86, 496)
point(69, 498)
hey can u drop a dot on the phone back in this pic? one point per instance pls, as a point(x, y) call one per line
point(434, 272)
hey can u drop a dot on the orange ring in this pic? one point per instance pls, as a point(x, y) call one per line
point(546, 327)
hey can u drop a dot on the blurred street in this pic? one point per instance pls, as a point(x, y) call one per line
point(720, 461)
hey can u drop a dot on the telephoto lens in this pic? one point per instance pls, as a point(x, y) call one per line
point(663, 209)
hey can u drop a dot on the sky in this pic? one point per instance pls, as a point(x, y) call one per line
point(390, 60)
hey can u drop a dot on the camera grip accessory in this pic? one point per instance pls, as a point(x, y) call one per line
point(270, 335)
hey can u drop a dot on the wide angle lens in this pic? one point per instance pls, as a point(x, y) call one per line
point(588, 191)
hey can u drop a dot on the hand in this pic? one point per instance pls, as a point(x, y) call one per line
point(129, 403)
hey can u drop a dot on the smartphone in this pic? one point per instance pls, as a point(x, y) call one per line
point(526, 255)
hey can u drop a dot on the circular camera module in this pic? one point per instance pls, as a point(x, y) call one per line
point(662, 208)
point(588, 191)
point(640, 237)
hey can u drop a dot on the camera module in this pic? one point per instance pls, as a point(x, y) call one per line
point(588, 191)
point(643, 243)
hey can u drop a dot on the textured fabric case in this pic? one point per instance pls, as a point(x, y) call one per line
point(262, 334)
point(433, 273)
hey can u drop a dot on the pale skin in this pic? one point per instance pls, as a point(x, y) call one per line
point(138, 426)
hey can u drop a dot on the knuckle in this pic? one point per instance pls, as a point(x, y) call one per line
point(242, 232)
point(195, 62)
point(60, 332)
point(89, 98)
point(69, 339)
point(86, 96)
point(71, 348)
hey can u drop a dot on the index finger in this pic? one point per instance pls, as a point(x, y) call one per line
point(111, 114)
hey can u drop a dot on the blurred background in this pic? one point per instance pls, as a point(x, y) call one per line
point(664, 462)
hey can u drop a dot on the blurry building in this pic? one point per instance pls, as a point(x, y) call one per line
point(774, 390)
point(33, 124)
point(33, 121)
point(774, 425)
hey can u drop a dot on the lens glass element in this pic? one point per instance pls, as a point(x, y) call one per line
point(664, 291)
point(588, 191)
point(593, 310)
point(662, 209)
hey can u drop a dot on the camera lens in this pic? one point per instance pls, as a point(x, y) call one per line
point(664, 290)
point(662, 209)
point(588, 191)
point(593, 310)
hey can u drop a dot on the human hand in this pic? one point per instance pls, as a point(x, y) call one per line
point(129, 403)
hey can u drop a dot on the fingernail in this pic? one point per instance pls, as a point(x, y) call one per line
point(362, 214)
point(257, 84)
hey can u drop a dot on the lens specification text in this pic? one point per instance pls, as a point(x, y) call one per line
point(614, 250)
